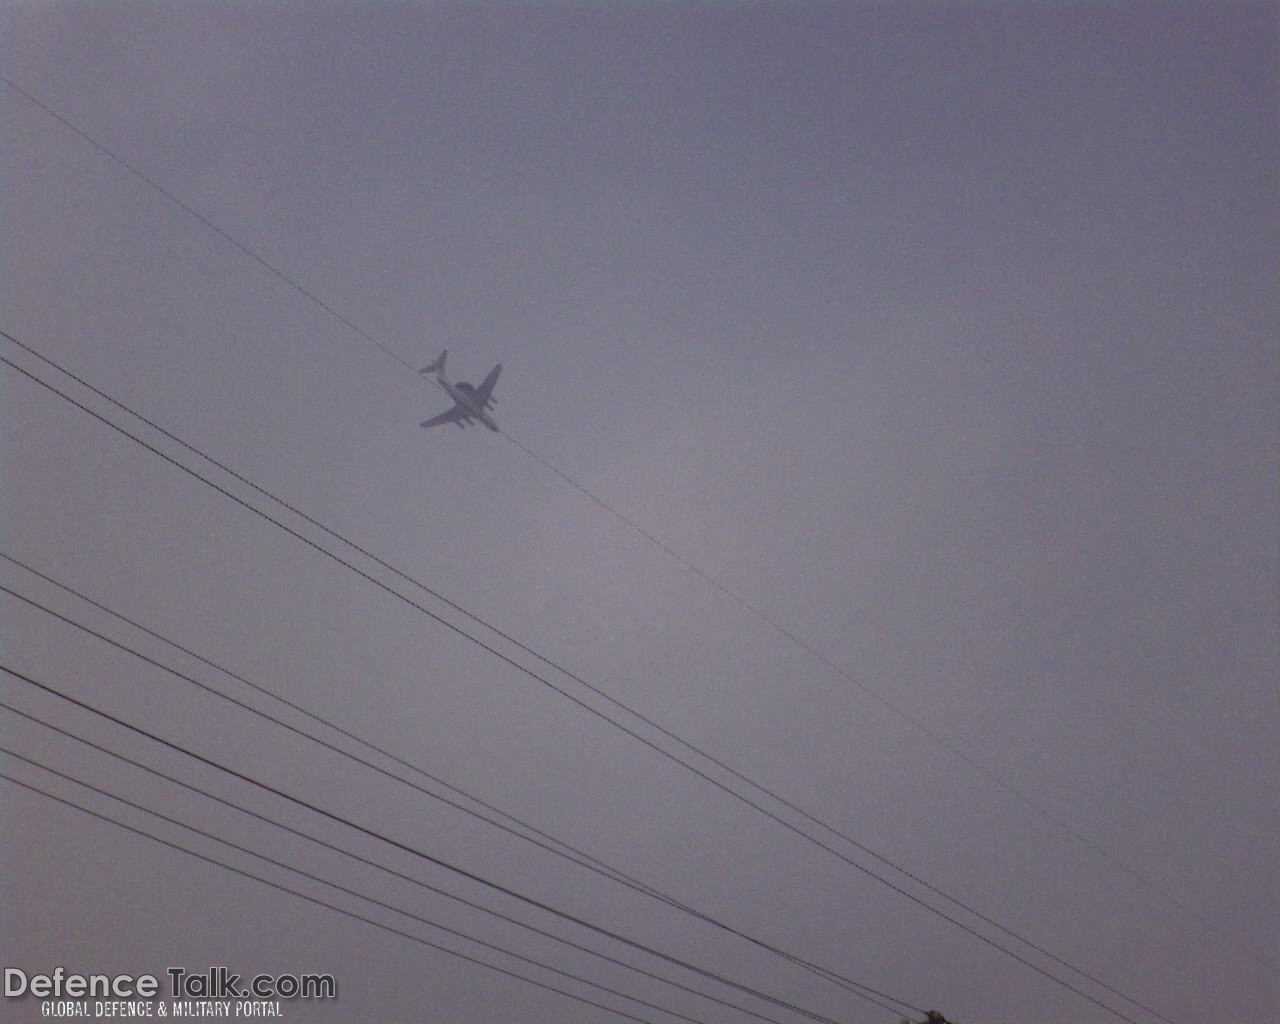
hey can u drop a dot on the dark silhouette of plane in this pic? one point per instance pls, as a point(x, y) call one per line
point(470, 403)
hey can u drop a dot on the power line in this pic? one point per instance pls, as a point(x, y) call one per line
point(226, 236)
point(573, 855)
point(647, 742)
point(440, 862)
point(454, 897)
point(603, 869)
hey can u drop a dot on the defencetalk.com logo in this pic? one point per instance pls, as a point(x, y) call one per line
point(215, 993)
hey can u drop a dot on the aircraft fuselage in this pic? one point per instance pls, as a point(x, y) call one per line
point(465, 396)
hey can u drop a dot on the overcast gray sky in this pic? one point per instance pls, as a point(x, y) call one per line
point(944, 336)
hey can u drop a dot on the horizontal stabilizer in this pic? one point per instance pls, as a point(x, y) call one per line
point(437, 366)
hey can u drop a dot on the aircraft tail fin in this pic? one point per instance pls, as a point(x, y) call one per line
point(437, 366)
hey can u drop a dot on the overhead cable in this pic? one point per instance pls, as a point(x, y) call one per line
point(420, 854)
point(412, 880)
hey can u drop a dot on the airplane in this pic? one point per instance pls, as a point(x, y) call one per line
point(470, 403)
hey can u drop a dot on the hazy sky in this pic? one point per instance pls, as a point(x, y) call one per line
point(944, 336)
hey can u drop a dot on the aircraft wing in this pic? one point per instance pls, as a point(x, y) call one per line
point(486, 387)
point(452, 416)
